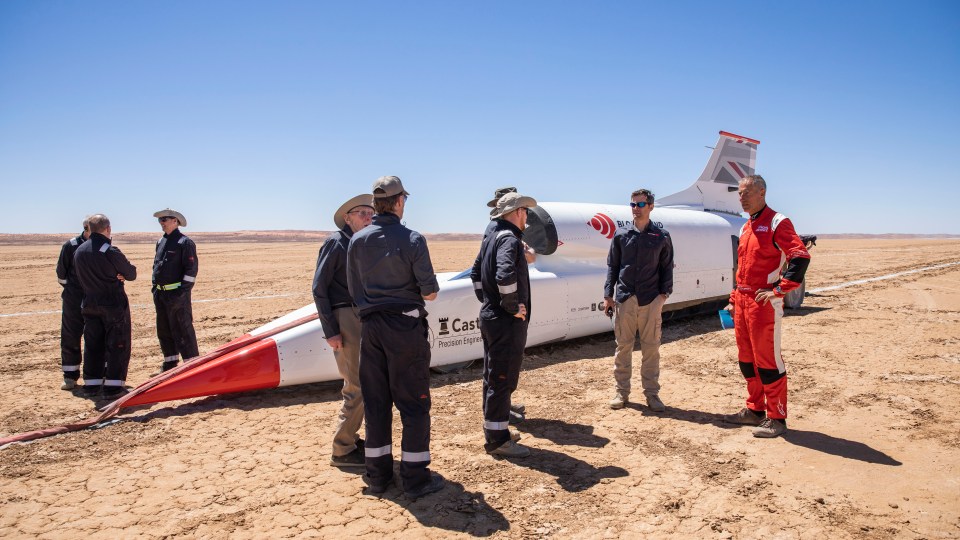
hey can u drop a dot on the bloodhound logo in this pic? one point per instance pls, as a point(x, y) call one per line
point(603, 224)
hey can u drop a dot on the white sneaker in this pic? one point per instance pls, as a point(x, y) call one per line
point(618, 402)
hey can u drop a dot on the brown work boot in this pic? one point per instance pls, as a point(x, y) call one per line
point(511, 449)
point(745, 417)
point(770, 428)
point(654, 403)
point(167, 366)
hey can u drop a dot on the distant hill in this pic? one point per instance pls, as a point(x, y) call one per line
point(232, 236)
point(888, 236)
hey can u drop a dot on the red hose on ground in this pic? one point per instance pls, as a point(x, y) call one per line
point(111, 410)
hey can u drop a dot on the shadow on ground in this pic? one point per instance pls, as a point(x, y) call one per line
point(572, 474)
point(562, 433)
point(453, 509)
point(838, 447)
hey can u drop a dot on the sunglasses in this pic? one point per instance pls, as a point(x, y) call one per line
point(638, 204)
point(362, 213)
point(165, 218)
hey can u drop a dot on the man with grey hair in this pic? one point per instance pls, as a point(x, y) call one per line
point(71, 318)
point(389, 275)
point(102, 268)
point(767, 239)
point(340, 322)
point(639, 281)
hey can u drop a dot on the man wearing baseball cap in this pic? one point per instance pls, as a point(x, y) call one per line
point(175, 266)
point(501, 271)
point(390, 275)
point(340, 321)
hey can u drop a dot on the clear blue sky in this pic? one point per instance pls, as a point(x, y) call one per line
point(268, 115)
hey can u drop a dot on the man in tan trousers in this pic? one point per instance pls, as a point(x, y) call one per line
point(639, 280)
point(340, 321)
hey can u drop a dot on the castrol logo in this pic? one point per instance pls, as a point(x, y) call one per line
point(603, 224)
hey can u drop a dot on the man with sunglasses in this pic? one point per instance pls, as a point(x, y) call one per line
point(501, 271)
point(71, 317)
point(639, 281)
point(175, 268)
point(390, 276)
point(340, 321)
point(517, 410)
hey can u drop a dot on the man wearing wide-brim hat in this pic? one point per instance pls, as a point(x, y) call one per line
point(500, 271)
point(340, 321)
point(175, 267)
point(530, 255)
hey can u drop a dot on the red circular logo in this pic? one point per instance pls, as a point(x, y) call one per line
point(603, 224)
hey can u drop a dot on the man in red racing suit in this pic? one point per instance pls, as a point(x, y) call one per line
point(767, 240)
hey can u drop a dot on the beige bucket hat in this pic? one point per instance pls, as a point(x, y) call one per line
point(510, 202)
point(360, 200)
point(167, 212)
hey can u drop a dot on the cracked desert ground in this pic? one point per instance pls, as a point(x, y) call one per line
point(872, 450)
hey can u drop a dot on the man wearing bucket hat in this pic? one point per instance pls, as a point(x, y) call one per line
point(530, 255)
point(517, 410)
point(390, 275)
point(340, 321)
point(175, 266)
point(501, 270)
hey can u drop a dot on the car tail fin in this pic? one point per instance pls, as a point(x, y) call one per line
point(733, 158)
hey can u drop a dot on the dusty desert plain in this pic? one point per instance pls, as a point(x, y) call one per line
point(873, 449)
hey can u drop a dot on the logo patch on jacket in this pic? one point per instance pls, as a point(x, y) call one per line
point(763, 228)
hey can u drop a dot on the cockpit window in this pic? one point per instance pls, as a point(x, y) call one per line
point(541, 233)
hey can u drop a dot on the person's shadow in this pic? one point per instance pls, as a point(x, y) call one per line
point(813, 440)
point(453, 508)
point(562, 433)
point(572, 474)
point(838, 447)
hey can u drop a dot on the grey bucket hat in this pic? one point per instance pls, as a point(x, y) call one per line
point(510, 202)
point(360, 200)
point(492, 203)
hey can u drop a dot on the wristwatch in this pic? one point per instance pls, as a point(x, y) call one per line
point(778, 291)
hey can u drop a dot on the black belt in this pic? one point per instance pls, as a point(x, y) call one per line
point(342, 305)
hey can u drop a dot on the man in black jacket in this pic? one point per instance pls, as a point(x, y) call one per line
point(102, 269)
point(71, 318)
point(501, 271)
point(390, 276)
point(340, 321)
point(639, 280)
point(175, 268)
